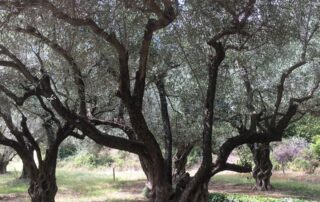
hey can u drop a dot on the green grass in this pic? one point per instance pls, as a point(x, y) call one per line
point(9, 184)
point(302, 189)
point(233, 179)
point(75, 186)
point(83, 185)
point(296, 188)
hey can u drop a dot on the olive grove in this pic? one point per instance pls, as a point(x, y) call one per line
point(165, 74)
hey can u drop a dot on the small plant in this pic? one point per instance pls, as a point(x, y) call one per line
point(218, 197)
point(146, 192)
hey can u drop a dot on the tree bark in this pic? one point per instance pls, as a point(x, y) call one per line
point(166, 128)
point(263, 166)
point(197, 188)
point(180, 177)
point(43, 185)
point(156, 161)
point(147, 169)
point(24, 173)
point(201, 194)
point(180, 162)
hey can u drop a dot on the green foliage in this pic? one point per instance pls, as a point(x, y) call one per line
point(315, 146)
point(92, 160)
point(307, 128)
point(194, 157)
point(146, 192)
point(245, 156)
point(275, 164)
point(307, 161)
point(67, 150)
point(288, 150)
point(218, 197)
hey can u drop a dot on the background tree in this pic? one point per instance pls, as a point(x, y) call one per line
point(6, 155)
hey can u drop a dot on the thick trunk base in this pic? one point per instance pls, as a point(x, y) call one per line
point(43, 189)
point(163, 193)
point(200, 194)
point(263, 167)
point(263, 184)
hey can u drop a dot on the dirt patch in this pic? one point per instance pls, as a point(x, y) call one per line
point(14, 198)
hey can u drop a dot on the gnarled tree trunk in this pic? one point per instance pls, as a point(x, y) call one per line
point(180, 177)
point(263, 167)
point(197, 188)
point(43, 185)
point(180, 161)
point(6, 155)
point(149, 186)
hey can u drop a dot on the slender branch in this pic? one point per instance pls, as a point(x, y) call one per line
point(164, 19)
point(280, 88)
point(18, 100)
point(27, 134)
point(16, 64)
point(166, 127)
point(78, 79)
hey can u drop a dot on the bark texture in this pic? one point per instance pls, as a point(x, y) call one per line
point(24, 173)
point(43, 186)
point(262, 170)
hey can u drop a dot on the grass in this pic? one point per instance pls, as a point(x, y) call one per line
point(84, 185)
point(9, 184)
point(87, 184)
point(290, 186)
point(78, 185)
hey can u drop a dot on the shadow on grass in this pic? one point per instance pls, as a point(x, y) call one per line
point(282, 187)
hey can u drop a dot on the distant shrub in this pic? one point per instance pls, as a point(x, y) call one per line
point(194, 157)
point(67, 150)
point(245, 156)
point(288, 150)
point(276, 165)
point(315, 146)
point(307, 161)
point(92, 160)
